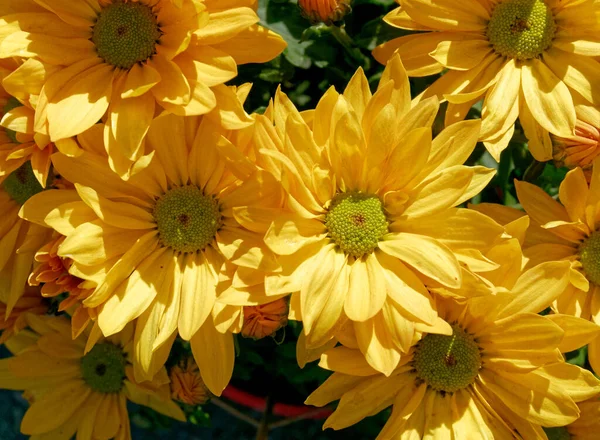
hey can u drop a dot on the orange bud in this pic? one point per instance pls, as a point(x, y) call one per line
point(187, 385)
point(326, 11)
point(266, 319)
point(579, 150)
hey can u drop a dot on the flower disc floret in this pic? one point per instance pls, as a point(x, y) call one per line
point(103, 368)
point(589, 254)
point(126, 33)
point(187, 220)
point(356, 222)
point(22, 184)
point(521, 29)
point(447, 363)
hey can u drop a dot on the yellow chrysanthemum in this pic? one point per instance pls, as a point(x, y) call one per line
point(19, 239)
point(370, 213)
point(154, 245)
point(525, 58)
point(568, 231)
point(74, 392)
point(499, 374)
point(131, 59)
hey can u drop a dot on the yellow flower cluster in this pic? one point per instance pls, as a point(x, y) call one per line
point(140, 198)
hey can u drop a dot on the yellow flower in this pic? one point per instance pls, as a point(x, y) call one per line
point(370, 213)
point(128, 60)
point(582, 148)
point(525, 58)
point(186, 383)
point(500, 372)
point(154, 245)
point(326, 11)
point(19, 239)
point(569, 231)
point(71, 391)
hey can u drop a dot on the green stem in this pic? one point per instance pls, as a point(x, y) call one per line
point(340, 34)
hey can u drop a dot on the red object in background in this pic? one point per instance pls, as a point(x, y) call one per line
point(279, 409)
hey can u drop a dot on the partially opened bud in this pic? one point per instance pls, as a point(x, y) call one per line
point(264, 320)
point(579, 150)
point(326, 11)
point(187, 385)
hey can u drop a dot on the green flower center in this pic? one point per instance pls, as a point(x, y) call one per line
point(187, 220)
point(21, 184)
point(589, 254)
point(10, 104)
point(126, 33)
point(447, 363)
point(103, 368)
point(521, 29)
point(356, 222)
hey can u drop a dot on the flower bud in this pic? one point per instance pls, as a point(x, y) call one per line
point(187, 385)
point(264, 320)
point(326, 11)
point(579, 150)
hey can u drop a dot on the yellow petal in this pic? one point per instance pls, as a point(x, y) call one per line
point(539, 205)
point(501, 104)
point(289, 233)
point(439, 192)
point(579, 72)
point(333, 388)
point(347, 361)
point(461, 54)
point(322, 296)
point(537, 288)
point(137, 250)
point(62, 210)
point(65, 400)
point(453, 145)
point(215, 354)
point(135, 294)
point(255, 44)
point(539, 142)
point(448, 15)
point(407, 290)
point(121, 215)
point(79, 100)
point(140, 79)
point(367, 398)
point(426, 255)
point(548, 98)
point(578, 331)
point(414, 51)
point(224, 25)
point(129, 122)
point(198, 293)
